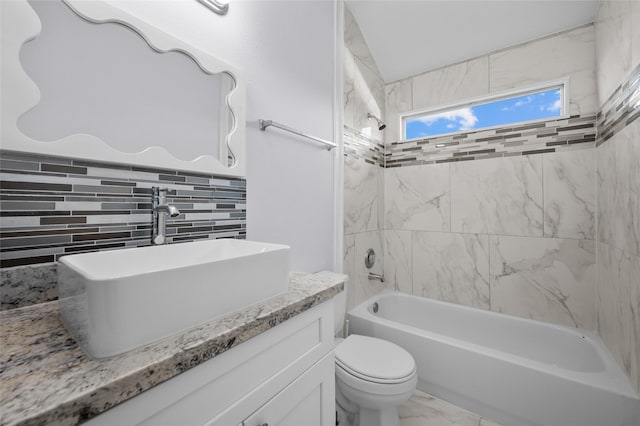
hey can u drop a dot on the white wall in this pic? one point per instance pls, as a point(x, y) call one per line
point(286, 51)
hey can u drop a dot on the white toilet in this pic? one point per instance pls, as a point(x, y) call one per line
point(373, 376)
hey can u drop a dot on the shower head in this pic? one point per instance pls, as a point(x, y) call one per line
point(381, 124)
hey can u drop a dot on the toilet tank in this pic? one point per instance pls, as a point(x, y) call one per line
point(340, 309)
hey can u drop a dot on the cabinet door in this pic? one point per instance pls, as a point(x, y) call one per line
point(308, 401)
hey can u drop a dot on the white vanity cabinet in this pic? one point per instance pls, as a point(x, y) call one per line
point(307, 401)
point(282, 377)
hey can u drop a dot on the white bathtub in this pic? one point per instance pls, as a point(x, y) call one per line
point(511, 370)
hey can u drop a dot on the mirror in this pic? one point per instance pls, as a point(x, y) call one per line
point(97, 83)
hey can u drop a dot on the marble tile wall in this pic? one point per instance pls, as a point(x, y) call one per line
point(364, 90)
point(613, 49)
point(620, 109)
point(515, 231)
point(452, 267)
point(570, 53)
point(618, 182)
point(363, 215)
point(498, 196)
point(361, 195)
point(513, 235)
point(547, 279)
point(523, 235)
point(418, 198)
point(363, 165)
point(544, 196)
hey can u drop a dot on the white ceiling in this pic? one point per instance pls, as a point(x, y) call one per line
point(410, 37)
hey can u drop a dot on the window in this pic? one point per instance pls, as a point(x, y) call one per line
point(541, 103)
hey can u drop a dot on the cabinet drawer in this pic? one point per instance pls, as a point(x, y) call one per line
point(308, 401)
point(221, 385)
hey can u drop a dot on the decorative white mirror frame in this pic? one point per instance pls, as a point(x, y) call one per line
point(20, 23)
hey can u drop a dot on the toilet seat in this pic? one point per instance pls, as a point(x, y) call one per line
point(367, 387)
point(374, 360)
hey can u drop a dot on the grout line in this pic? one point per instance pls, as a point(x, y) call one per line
point(490, 275)
point(450, 199)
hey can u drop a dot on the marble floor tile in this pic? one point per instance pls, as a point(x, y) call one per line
point(426, 410)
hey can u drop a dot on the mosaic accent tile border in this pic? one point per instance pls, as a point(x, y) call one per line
point(621, 109)
point(574, 132)
point(360, 146)
point(52, 206)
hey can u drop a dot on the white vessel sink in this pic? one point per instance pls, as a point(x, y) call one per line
point(115, 301)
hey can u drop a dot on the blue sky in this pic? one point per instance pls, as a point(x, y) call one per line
point(513, 110)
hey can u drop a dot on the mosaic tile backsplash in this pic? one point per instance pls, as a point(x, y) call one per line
point(52, 206)
point(360, 146)
point(534, 138)
point(621, 109)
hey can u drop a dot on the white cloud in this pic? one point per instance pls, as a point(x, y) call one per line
point(554, 106)
point(463, 117)
point(518, 104)
point(525, 101)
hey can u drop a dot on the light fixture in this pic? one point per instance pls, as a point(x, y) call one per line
point(221, 7)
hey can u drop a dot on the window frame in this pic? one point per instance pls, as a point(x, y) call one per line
point(565, 107)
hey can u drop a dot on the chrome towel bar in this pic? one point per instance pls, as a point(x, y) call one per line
point(266, 123)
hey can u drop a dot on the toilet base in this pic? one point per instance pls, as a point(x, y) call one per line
point(349, 414)
point(364, 417)
point(386, 417)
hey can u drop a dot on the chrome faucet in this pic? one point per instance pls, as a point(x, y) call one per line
point(160, 210)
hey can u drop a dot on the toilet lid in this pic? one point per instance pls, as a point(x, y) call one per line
point(374, 359)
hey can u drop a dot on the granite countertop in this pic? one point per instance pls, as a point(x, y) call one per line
point(46, 378)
